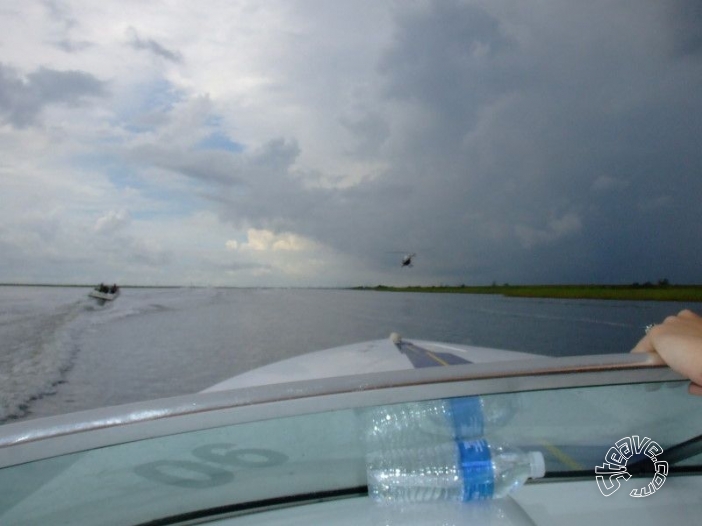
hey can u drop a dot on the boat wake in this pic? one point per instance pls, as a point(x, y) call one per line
point(37, 352)
point(41, 339)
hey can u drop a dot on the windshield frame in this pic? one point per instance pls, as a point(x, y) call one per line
point(221, 453)
point(53, 436)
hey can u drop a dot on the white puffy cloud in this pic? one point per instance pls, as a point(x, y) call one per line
point(264, 240)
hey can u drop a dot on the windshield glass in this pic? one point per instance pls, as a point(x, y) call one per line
point(190, 193)
point(293, 460)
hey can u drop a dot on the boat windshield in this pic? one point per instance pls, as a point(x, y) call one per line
point(285, 460)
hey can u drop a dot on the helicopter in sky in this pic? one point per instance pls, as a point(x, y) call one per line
point(407, 260)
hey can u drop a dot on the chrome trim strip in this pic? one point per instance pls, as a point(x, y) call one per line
point(29, 440)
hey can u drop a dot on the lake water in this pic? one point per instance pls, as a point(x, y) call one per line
point(61, 352)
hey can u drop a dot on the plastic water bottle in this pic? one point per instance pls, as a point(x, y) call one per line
point(455, 470)
point(415, 423)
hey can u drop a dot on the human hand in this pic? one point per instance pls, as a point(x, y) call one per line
point(678, 342)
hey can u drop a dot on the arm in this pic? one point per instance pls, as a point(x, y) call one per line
point(678, 341)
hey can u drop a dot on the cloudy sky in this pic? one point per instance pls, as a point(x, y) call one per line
point(311, 142)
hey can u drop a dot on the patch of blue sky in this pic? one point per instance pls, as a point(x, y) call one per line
point(218, 140)
point(172, 204)
point(120, 173)
point(169, 201)
point(145, 103)
point(138, 128)
point(160, 95)
point(214, 121)
point(123, 176)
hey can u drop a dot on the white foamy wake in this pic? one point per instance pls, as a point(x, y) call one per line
point(37, 349)
point(40, 331)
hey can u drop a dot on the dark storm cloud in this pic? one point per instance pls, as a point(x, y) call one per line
point(521, 129)
point(154, 47)
point(558, 146)
point(451, 57)
point(23, 98)
point(685, 18)
point(370, 130)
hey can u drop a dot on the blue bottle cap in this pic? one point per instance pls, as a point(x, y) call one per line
point(477, 470)
point(467, 416)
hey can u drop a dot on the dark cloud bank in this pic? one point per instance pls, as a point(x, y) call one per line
point(556, 146)
point(22, 98)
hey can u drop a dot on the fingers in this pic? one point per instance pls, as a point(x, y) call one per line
point(688, 314)
point(683, 315)
point(670, 319)
point(654, 358)
point(671, 325)
point(644, 345)
point(677, 341)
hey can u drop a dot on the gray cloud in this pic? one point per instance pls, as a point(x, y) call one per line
point(685, 29)
point(370, 130)
point(555, 147)
point(154, 47)
point(73, 46)
point(60, 13)
point(498, 180)
point(208, 166)
point(520, 133)
point(453, 57)
point(22, 98)
point(250, 172)
point(65, 22)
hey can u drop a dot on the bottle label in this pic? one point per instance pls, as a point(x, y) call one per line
point(477, 470)
point(467, 415)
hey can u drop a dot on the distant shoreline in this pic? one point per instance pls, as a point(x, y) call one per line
point(636, 292)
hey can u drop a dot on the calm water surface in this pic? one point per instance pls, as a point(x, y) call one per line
point(60, 351)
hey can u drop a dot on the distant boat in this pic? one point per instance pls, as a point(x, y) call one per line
point(105, 293)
